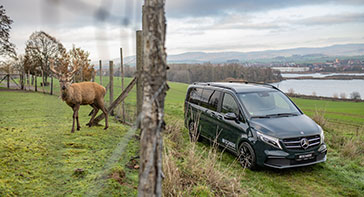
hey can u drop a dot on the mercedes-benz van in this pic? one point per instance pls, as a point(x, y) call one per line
point(257, 122)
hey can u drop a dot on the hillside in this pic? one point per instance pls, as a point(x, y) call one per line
point(303, 54)
point(40, 157)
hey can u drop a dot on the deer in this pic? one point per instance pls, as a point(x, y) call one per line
point(83, 93)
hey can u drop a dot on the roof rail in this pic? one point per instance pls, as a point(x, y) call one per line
point(250, 82)
point(220, 86)
point(213, 85)
point(238, 81)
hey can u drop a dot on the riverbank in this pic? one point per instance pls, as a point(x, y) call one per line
point(323, 98)
point(333, 77)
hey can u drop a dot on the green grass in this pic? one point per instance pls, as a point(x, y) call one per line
point(39, 155)
point(346, 112)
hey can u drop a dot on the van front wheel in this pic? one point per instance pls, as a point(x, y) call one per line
point(193, 132)
point(247, 157)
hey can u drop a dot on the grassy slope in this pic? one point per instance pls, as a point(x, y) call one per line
point(40, 155)
point(338, 176)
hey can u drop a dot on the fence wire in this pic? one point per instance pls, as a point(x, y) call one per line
point(128, 18)
point(120, 148)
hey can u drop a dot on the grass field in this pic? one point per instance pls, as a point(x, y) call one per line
point(40, 157)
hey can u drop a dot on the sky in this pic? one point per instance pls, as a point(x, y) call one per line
point(103, 26)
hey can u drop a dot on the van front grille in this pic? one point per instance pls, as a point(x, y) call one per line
point(295, 143)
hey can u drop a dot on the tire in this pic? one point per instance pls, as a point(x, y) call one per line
point(193, 133)
point(246, 157)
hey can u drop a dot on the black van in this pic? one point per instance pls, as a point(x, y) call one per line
point(257, 122)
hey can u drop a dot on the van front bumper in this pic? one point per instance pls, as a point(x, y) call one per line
point(281, 159)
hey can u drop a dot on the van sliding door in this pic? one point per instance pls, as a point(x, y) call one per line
point(209, 116)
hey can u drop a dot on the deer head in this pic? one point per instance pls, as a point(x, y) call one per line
point(65, 79)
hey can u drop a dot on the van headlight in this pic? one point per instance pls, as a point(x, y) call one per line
point(269, 140)
point(322, 136)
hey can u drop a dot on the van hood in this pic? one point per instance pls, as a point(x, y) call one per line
point(286, 127)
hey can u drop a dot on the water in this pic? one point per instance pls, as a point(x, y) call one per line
point(318, 75)
point(327, 88)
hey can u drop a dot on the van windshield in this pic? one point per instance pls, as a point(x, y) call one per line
point(268, 104)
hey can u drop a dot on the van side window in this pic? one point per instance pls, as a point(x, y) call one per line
point(229, 105)
point(210, 99)
point(214, 100)
point(206, 93)
point(195, 95)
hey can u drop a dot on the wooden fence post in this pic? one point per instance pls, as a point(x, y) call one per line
point(22, 80)
point(122, 84)
point(36, 83)
point(111, 83)
point(51, 85)
point(8, 81)
point(155, 87)
point(42, 81)
point(139, 68)
point(93, 75)
point(100, 63)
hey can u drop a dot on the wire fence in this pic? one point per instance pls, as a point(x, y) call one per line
point(129, 20)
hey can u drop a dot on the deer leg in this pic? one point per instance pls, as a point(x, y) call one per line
point(78, 123)
point(74, 117)
point(94, 112)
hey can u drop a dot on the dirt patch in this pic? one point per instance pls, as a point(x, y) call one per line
point(133, 163)
point(118, 176)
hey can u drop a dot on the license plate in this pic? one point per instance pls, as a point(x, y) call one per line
point(305, 156)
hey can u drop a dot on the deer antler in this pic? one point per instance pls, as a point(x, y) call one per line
point(70, 74)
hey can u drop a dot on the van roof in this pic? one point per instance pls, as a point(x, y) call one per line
point(240, 87)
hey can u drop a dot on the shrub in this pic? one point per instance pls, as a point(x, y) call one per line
point(355, 96)
point(189, 171)
point(319, 117)
point(350, 149)
point(343, 95)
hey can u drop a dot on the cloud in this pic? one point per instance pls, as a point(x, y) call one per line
point(181, 9)
point(74, 13)
point(102, 26)
point(332, 19)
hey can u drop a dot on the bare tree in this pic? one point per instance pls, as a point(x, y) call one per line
point(80, 60)
point(155, 87)
point(355, 96)
point(343, 95)
point(40, 48)
point(6, 47)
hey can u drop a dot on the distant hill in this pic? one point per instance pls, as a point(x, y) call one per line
point(290, 55)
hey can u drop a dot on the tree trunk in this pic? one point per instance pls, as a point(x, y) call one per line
point(28, 80)
point(155, 87)
point(43, 81)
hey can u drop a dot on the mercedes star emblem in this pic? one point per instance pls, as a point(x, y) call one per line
point(304, 143)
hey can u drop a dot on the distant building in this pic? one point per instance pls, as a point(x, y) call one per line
point(233, 61)
point(291, 69)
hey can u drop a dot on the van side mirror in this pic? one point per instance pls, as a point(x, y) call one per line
point(230, 116)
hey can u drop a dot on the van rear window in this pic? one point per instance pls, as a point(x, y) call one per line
point(195, 95)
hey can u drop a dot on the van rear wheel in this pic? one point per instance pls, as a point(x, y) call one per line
point(247, 157)
point(193, 132)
